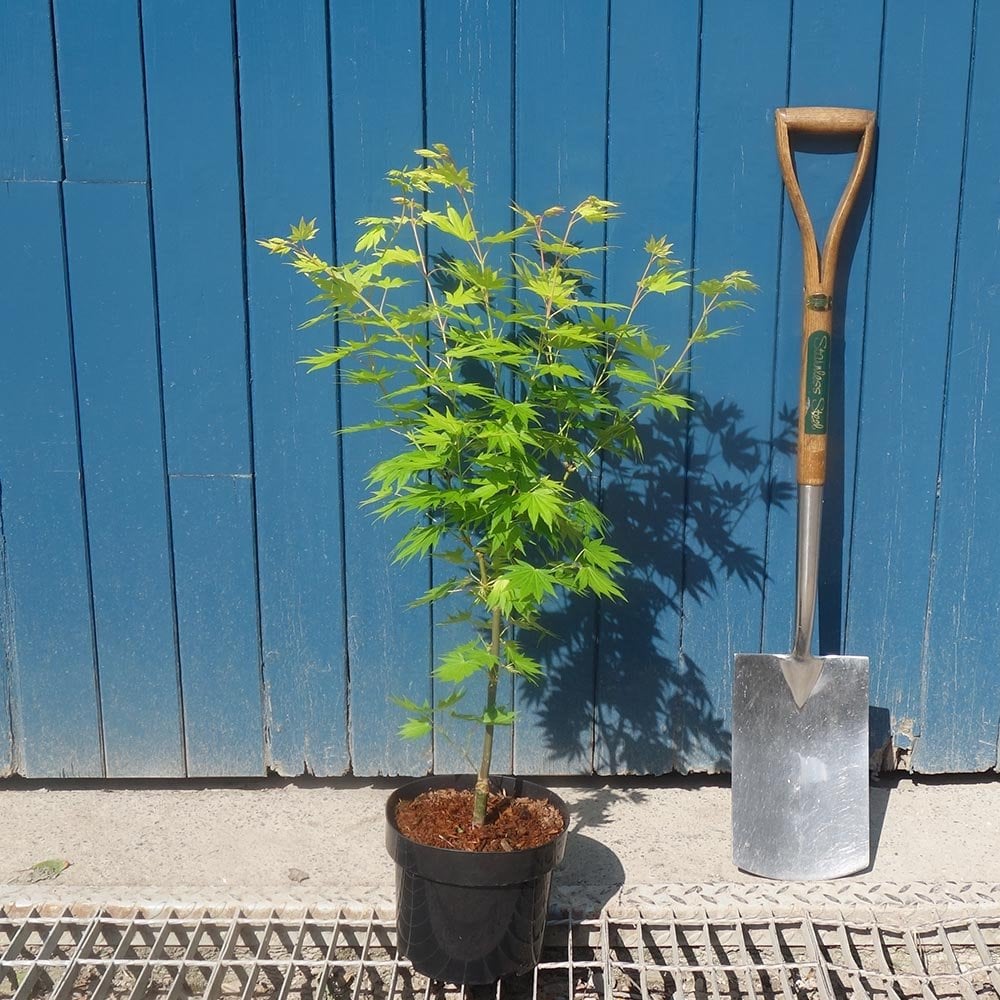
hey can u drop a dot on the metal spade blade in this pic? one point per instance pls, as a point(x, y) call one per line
point(800, 776)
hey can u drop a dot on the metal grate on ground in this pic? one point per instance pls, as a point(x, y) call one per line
point(105, 955)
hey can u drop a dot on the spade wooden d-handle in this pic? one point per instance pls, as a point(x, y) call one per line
point(819, 270)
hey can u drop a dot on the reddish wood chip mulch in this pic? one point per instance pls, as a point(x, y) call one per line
point(443, 818)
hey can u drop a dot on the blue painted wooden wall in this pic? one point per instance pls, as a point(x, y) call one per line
point(187, 584)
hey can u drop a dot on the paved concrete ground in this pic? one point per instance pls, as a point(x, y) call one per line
point(257, 841)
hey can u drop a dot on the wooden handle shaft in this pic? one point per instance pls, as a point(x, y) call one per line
point(819, 270)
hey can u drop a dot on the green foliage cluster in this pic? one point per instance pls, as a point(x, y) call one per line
point(503, 382)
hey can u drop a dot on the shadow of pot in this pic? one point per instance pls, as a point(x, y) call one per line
point(469, 917)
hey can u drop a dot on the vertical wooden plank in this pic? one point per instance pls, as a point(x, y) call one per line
point(916, 197)
point(651, 167)
point(744, 67)
point(961, 705)
point(195, 185)
point(110, 275)
point(217, 624)
point(468, 107)
point(8, 697)
point(287, 161)
point(29, 118)
point(194, 166)
point(100, 89)
point(561, 135)
point(835, 60)
point(48, 637)
point(378, 122)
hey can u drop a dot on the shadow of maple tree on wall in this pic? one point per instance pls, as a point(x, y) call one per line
point(650, 710)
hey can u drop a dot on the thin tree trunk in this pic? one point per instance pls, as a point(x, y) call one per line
point(483, 778)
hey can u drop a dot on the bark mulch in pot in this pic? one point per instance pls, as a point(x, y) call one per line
point(443, 818)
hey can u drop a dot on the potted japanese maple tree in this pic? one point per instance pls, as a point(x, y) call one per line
point(503, 381)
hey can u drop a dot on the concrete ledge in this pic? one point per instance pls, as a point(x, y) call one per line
point(642, 845)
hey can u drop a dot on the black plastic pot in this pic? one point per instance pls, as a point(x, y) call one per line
point(466, 916)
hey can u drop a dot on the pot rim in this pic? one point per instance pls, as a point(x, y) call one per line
point(468, 780)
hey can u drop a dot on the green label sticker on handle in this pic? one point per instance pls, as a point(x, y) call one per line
point(817, 381)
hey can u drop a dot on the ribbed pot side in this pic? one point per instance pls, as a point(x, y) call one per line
point(466, 916)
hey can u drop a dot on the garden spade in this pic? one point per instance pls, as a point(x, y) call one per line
point(800, 722)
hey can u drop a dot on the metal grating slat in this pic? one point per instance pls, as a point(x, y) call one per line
point(359, 978)
point(815, 956)
point(918, 964)
point(636, 957)
point(65, 986)
point(990, 960)
point(747, 980)
point(641, 946)
point(782, 969)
